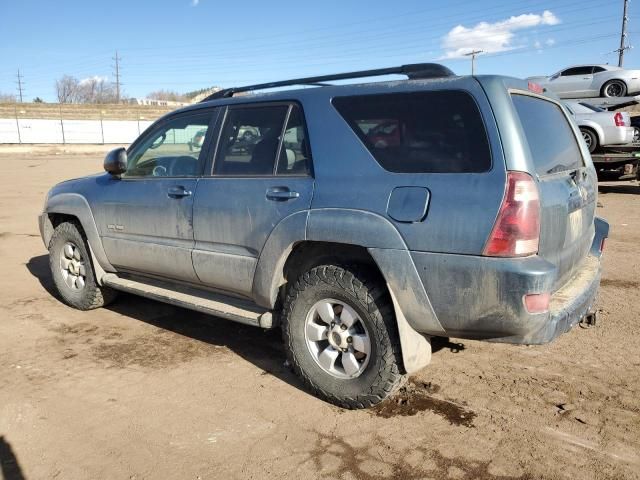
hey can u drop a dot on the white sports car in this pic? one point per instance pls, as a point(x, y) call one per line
point(582, 81)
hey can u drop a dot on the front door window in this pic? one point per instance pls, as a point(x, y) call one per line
point(174, 149)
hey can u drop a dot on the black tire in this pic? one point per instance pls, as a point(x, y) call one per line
point(590, 138)
point(368, 297)
point(614, 89)
point(91, 295)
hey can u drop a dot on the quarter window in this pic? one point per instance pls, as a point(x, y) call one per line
point(420, 132)
point(295, 156)
point(569, 72)
point(172, 150)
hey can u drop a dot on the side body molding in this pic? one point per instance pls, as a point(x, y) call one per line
point(76, 205)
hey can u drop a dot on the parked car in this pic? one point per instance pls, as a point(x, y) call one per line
point(477, 221)
point(197, 140)
point(584, 81)
point(601, 128)
point(635, 123)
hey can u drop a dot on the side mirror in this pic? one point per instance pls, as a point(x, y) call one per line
point(115, 162)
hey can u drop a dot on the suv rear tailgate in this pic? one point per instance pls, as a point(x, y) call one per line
point(567, 184)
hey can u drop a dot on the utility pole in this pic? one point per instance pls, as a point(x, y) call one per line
point(623, 35)
point(20, 85)
point(117, 74)
point(473, 55)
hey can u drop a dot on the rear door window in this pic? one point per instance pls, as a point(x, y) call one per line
point(250, 140)
point(553, 145)
point(420, 132)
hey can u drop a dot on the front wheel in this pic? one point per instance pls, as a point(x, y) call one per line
point(590, 139)
point(614, 88)
point(341, 336)
point(72, 270)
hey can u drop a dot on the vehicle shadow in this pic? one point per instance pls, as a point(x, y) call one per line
point(625, 188)
point(9, 466)
point(263, 348)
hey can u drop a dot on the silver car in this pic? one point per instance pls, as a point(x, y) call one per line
point(585, 81)
point(600, 127)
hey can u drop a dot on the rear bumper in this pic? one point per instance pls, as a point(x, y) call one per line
point(482, 298)
point(617, 135)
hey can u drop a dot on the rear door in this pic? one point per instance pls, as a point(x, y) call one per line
point(567, 184)
point(261, 174)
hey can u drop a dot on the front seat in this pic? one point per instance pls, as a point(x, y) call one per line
point(264, 154)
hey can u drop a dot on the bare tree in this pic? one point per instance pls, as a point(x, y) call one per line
point(88, 90)
point(67, 89)
point(7, 98)
point(167, 95)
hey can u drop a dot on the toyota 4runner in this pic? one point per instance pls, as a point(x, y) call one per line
point(363, 220)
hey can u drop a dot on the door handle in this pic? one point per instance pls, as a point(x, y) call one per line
point(178, 192)
point(281, 194)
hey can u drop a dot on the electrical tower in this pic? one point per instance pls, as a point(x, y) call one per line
point(473, 55)
point(117, 75)
point(623, 35)
point(20, 84)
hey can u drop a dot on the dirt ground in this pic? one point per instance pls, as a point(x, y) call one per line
point(142, 390)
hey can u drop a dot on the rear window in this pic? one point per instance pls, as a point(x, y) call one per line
point(420, 132)
point(551, 140)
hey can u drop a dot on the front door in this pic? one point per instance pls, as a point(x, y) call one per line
point(249, 192)
point(145, 218)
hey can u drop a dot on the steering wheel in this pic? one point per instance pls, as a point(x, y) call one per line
point(158, 141)
point(159, 171)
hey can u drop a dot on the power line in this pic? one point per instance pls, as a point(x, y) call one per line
point(117, 74)
point(20, 84)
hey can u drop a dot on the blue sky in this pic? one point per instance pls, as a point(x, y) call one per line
point(184, 45)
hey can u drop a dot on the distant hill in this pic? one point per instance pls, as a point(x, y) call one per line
point(199, 95)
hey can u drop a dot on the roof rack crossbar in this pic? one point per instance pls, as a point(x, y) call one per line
point(412, 71)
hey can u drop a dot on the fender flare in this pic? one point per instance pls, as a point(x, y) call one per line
point(269, 275)
point(76, 205)
point(387, 247)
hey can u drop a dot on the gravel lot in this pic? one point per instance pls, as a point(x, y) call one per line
point(145, 390)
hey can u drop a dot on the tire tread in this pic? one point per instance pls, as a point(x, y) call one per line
point(365, 286)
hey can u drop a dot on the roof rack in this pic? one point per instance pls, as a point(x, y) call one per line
point(412, 71)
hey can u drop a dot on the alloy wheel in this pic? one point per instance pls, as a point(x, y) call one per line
point(337, 339)
point(72, 266)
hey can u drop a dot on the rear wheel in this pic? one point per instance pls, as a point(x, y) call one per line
point(614, 88)
point(590, 138)
point(72, 270)
point(341, 337)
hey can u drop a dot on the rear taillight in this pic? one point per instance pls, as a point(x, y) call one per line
point(619, 119)
point(517, 228)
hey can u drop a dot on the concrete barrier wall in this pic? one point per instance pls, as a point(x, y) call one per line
point(26, 130)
